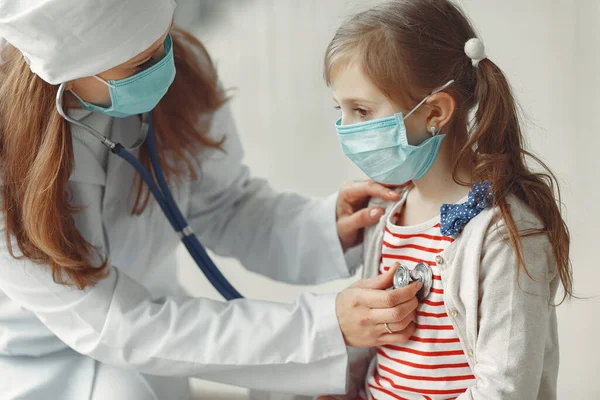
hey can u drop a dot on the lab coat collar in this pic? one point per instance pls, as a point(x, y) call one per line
point(87, 169)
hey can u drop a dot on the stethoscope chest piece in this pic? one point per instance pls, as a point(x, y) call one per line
point(421, 273)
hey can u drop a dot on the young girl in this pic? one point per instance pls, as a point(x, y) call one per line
point(407, 77)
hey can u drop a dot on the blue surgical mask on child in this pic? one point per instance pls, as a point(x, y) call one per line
point(139, 93)
point(381, 150)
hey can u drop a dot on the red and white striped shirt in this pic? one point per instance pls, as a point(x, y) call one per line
point(432, 365)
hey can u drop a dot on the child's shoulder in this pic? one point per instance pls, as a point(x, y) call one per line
point(523, 216)
point(490, 232)
point(489, 228)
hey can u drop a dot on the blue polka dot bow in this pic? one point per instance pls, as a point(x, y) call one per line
point(454, 217)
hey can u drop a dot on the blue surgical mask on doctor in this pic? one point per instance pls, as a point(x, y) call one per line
point(381, 150)
point(139, 93)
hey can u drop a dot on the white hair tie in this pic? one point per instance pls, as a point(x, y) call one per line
point(475, 50)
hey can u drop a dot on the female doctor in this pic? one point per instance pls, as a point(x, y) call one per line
point(90, 307)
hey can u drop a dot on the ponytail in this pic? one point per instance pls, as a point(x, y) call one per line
point(500, 158)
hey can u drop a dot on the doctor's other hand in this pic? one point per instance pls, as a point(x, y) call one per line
point(365, 307)
point(352, 212)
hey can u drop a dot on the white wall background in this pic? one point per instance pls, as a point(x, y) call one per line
point(272, 50)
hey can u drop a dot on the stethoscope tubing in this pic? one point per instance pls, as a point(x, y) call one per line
point(167, 203)
point(161, 192)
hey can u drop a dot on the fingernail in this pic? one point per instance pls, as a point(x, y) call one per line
point(374, 213)
point(392, 193)
point(419, 286)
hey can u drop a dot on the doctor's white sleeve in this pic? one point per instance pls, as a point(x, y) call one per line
point(284, 236)
point(295, 348)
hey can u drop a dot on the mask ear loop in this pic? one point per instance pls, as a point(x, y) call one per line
point(103, 81)
point(77, 96)
point(97, 78)
point(436, 91)
point(432, 129)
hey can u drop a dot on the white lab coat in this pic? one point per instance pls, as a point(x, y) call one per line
point(53, 338)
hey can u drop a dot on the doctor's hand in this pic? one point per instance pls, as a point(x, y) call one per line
point(352, 212)
point(364, 308)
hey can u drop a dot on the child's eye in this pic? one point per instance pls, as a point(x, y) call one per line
point(361, 111)
point(337, 107)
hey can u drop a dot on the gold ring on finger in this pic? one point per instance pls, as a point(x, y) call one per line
point(388, 328)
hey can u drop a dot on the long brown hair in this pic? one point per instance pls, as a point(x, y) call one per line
point(408, 48)
point(36, 156)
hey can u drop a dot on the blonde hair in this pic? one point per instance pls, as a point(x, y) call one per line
point(408, 48)
point(36, 156)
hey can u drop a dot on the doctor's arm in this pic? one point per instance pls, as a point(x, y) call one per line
point(284, 236)
point(298, 348)
point(516, 315)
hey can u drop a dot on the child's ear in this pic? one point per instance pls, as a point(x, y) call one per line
point(442, 107)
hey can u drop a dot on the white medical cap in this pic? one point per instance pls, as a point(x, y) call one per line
point(64, 40)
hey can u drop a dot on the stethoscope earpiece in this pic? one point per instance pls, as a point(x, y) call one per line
point(421, 273)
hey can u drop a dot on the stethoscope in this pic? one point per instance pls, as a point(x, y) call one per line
point(421, 273)
point(162, 194)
